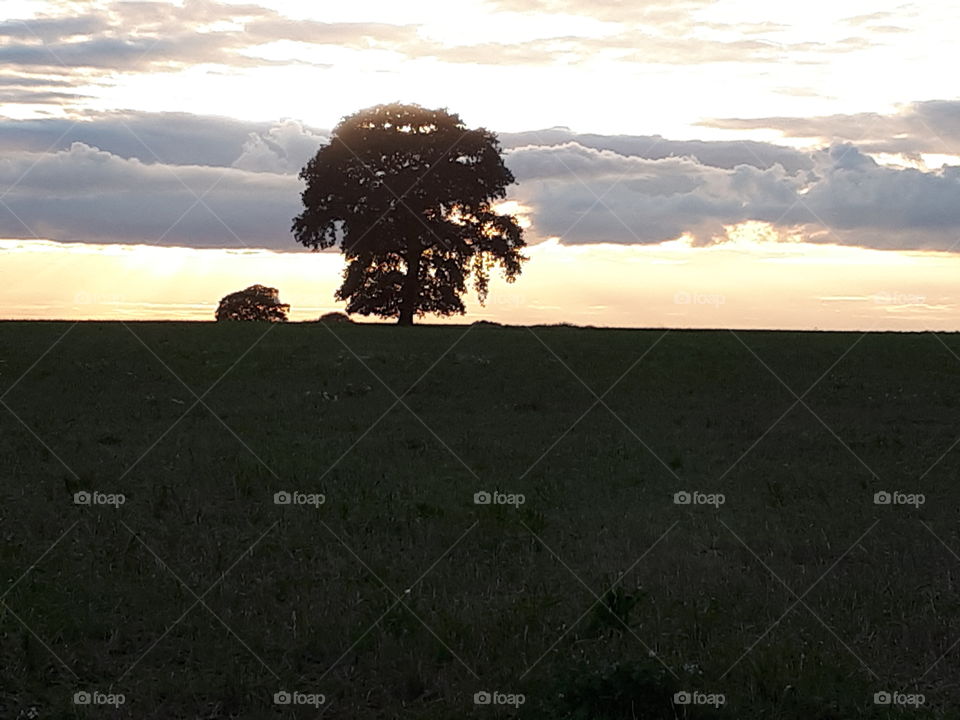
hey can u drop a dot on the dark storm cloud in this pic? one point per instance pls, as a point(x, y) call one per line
point(923, 127)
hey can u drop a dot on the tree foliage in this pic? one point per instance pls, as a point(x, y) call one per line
point(257, 302)
point(407, 193)
point(335, 318)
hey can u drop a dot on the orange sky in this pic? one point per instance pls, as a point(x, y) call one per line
point(749, 282)
point(863, 77)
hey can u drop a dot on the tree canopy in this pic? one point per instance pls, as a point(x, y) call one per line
point(407, 193)
point(257, 302)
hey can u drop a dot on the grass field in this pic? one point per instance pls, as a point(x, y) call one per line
point(398, 596)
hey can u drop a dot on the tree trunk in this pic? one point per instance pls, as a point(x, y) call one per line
point(411, 284)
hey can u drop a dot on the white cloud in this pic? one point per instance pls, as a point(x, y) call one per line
point(284, 148)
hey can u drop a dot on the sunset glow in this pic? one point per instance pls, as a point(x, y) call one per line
point(750, 282)
point(734, 149)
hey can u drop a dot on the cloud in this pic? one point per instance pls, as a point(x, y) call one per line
point(284, 148)
point(651, 11)
point(21, 81)
point(661, 43)
point(665, 32)
point(921, 127)
point(584, 195)
point(170, 138)
point(856, 193)
point(20, 96)
point(87, 195)
point(104, 183)
point(869, 18)
point(349, 34)
point(142, 36)
point(645, 48)
point(723, 154)
point(109, 38)
point(52, 29)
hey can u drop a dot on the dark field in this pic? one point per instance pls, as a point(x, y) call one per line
point(597, 598)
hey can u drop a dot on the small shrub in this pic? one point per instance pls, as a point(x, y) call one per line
point(256, 303)
point(335, 318)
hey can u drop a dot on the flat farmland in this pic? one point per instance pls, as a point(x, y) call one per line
point(364, 521)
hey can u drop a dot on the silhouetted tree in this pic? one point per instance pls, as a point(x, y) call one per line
point(257, 302)
point(407, 193)
point(335, 318)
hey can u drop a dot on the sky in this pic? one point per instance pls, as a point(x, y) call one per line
point(680, 163)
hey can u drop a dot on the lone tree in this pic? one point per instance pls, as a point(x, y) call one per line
point(407, 193)
point(257, 302)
